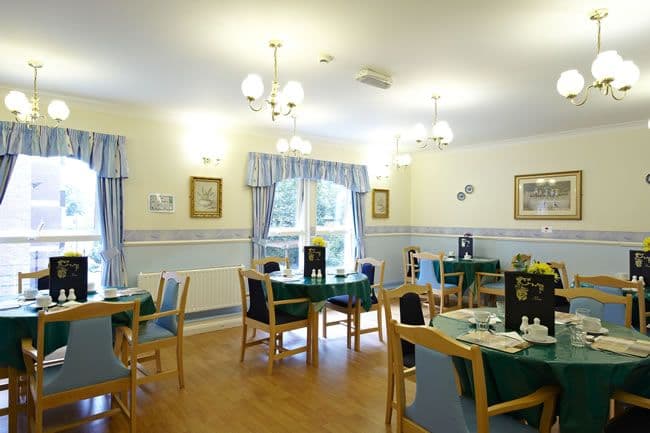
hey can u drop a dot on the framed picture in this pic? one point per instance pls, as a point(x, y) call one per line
point(548, 196)
point(380, 203)
point(157, 202)
point(205, 197)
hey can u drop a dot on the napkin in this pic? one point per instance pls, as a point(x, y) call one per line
point(9, 305)
point(512, 334)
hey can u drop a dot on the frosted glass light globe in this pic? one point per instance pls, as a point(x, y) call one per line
point(293, 92)
point(420, 132)
point(252, 86)
point(570, 83)
point(306, 147)
point(605, 65)
point(58, 110)
point(17, 102)
point(282, 145)
point(403, 160)
point(627, 74)
point(295, 143)
point(442, 130)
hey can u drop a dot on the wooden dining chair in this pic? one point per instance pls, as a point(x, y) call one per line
point(437, 406)
point(410, 309)
point(614, 286)
point(608, 307)
point(270, 264)
point(493, 283)
point(635, 419)
point(351, 306)
point(259, 309)
point(90, 368)
point(36, 275)
point(561, 282)
point(410, 270)
point(440, 286)
point(162, 329)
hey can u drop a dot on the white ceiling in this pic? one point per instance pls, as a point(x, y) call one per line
point(494, 63)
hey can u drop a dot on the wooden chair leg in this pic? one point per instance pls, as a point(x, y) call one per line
point(158, 362)
point(309, 337)
point(38, 418)
point(357, 326)
point(179, 362)
point(272, 336)
point(380, 327)
point(243, 342)
point(132, 407)
point(324, 322)
point(13, 399)
point(390, 393)
point(349, 328)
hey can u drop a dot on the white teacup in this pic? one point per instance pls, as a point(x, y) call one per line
point(591, 324)
point(467, 256)
point(537, 332)
point(340, 271)
point(286, 272)
point(91, 287)
point(30, 294)
point(43, 301)
point(110, 293)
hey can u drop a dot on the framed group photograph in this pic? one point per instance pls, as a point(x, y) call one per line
point(548, 196)
point(205, 197)
point(380, 203)
point(161, 203)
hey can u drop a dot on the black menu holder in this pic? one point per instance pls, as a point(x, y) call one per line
point(640, 264)
point(465, 246)
point(531, 295)
point(314, 259)
point(69, 273)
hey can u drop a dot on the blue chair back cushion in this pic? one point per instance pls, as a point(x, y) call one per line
point(169, 302)
point(258, 308)
point(426, 274)
point(271, 267)
point(410, 313)
point(44, 283)
point(89, 358)
point(613, 313)
point(369, 271)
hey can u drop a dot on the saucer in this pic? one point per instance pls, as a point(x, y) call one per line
point(53, 304)
point(545, 340)
point(601, 331)
point(493, 320)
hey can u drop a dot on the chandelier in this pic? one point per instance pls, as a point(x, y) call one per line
point(441, 134)
point(295, 146)
point(282, 103)
point(401, 159)
point(610, 71)
point(26, 111)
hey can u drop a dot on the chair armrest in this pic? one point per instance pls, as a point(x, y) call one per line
point(158, 315)
point(541, 396)
point(28, 349)
point(379, 286)
point(454, 274)
point(126, 332)
point(633, 399)
point(292, 301)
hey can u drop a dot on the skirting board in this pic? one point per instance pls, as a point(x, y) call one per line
point(194, 327)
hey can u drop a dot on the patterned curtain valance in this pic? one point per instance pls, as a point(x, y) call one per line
point(265, 170)
point(104, 153)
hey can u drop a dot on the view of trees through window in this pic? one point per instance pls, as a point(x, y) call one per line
point(50, 207)
point(291, 221)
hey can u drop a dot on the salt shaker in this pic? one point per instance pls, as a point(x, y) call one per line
point(313, 273)
point(319, 275)
point(524, 324)
point(71, 295)
point(62, 298)
point(634, 278)
point(642, 280)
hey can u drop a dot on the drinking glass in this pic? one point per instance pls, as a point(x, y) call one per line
point(501, 309)
point(581, 313)
point(482, 320)
point(578, 336)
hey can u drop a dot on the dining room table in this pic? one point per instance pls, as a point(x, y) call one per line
point(20, 321)
point(469, 267)
point(319, 290)
point(587, 377)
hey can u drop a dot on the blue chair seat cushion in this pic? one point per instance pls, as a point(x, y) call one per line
point(495, 285)
point(152, 332)
point(342, 300)
point(280, 317)
point(52, 383)
point(436, 285)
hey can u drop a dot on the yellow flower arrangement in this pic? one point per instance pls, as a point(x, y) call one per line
point(318, 241)
point(646, 244)
point(72, 254)
point(541, 269)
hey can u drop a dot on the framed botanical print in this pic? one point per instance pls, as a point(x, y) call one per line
point(205, 197)
point(380, 203)
point(548, 196)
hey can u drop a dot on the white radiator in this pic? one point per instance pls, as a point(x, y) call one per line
point(210, 288)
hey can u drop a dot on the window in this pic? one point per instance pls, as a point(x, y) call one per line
point(294, 213)
point(50, 207)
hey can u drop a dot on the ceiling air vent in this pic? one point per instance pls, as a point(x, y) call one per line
point(374, 78)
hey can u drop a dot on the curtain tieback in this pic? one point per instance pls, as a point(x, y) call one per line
point(111, 253)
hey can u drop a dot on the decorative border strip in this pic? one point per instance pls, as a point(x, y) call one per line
point(131, 236)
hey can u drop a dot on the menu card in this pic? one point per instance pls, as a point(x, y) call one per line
point(640, 264)
point(640, 348)
point(531, 295)
point(495, 341)
point(314, 259)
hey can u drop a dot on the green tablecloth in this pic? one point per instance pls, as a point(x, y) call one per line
point(587, 377)
point(18, 323)
point(319, 290)
point(468, 266)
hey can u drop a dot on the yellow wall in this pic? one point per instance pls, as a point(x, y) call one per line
point(162, 157)
point(614, 164)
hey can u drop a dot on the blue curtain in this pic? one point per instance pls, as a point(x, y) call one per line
point(262, 210)
point(7, 163)
point(104, 153)
point(359, 220)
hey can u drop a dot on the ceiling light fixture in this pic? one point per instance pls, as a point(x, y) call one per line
point(295, 146)
point(26, 111)
point(441, 134)
point(401, 159)
point(610, 71)
point(282, 103)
